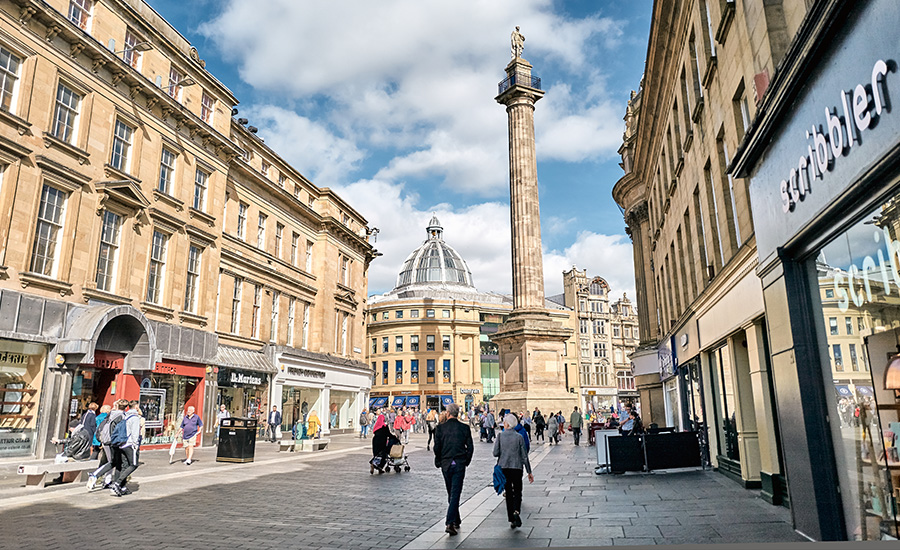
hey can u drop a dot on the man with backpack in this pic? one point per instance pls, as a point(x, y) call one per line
point(126, 442)
point(109, 463)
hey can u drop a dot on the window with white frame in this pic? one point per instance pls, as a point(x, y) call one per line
point(261, 231)
point(306, 308)
point(65, 116)
point(282, 179)
point(121, 149)
point(236, 305)
point(295, 238)
point(192, 281)
point(257, 305)
point(46, 234)
point(242, 220)
point(131, 55)
point(290, 321)
point(166, 171)
point(398, 343)
point(109, 250)
point(583, 326)
point(312, 201)
point(429, 342)
point(201, 183)
point(276, 307)
point(414, 342)
point(207, 108)
point(445, 313)
point(309, 255)
point(174, 87)
point(279, 231)
point(585, 347)
point(157, 268)
point(9, 78)
point(344, 332)
point(385, 344)
point(429, 313)
point(345, 270)
point(80, 13)
point(616, 331)
point(625, 380)
point(265, 168)
point(445, 340)
point(414, 313)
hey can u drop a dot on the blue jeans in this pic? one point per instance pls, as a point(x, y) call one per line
point(453, 479)
point(363, 429)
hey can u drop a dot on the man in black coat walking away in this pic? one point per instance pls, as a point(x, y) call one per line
point(453, 450)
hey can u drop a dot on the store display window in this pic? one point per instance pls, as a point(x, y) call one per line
point(21, 373)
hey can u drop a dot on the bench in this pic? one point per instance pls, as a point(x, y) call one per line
point(71, 471)
point(286, 445)
point(312, 445)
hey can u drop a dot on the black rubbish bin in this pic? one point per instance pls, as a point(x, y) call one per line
point(237, 440)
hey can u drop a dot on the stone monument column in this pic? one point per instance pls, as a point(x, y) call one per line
point(532, 342)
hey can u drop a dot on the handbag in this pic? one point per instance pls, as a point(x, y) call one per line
point(499, 477)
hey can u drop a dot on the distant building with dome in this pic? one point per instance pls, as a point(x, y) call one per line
point(428, 340)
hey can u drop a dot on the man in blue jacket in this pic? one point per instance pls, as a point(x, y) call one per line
point(274, 423)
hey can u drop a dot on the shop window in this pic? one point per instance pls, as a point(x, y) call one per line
point(723, 384)
point(398, 369)
point(157, 268)
point(414, 371)
point(414, 342)
point(21, 374)
point(398, 344)
point(429, 342)
point(446, 370)
point(384, 345)
point(445, 341)
point(429, 371)
point(109, 250)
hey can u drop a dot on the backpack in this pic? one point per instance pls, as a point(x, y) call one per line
point(119, 434)
point(99, 433)
point(106, 429)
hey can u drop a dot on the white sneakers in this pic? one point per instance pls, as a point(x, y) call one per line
point(92, 482)
point(187, 462)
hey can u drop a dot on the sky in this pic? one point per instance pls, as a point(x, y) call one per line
point(391, 104)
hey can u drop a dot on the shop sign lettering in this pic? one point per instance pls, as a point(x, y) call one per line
point(861, 108)
point(16, 443)
point(241, 378)
point(309, 373)
point(469, 391)
point(11, 358)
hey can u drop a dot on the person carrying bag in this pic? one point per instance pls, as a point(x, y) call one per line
point(509, 448)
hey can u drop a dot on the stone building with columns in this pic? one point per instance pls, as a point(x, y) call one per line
point(702, 360)
point(123, 175)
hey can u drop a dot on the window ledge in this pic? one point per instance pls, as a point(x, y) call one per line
point(104, 296)
point(345, 288)
point(149, 307)
point(688, 141)
point(202, 216)
point(21, 124)
point(711, 63)
point(113, 172)
point(725, 21)
point(192, 318)
point(29, 278)
point(168, 199)
point(679, 167)
point(80, 154)
point(4, 272)
point(698, 110)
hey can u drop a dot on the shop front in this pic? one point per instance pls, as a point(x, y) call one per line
point(470, 396)
point(21, 374)
point(824, 166)
point(243, 392)
point(165, 394)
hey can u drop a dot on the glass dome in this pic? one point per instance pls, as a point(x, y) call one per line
point(435, 262)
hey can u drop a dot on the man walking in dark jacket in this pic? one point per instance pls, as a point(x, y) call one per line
point(453, 450)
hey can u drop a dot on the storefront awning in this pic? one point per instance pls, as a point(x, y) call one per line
point(843, 391)
point(377, 402)
point(412, 401)
point(247, 359)
point(865, 390)
point(446, 400)
point(398, 401)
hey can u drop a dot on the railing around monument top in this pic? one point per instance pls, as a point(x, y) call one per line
point(521, 79)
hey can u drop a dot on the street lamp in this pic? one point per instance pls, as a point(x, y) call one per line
point(139, 47)
point(183, 83)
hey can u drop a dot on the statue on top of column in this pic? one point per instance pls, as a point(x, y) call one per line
point(517, 41)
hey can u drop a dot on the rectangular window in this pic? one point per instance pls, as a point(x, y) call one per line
point(374, 345)
point(207, 108)
point(398, 314)
point(384, 345)
point(384, 372)
point(109, 249)
point(848, 322)
point(414, 342)
point(156, 271)
point(265, 169)
point(46, 233)
point(583, 326)
point(414, 314)
point(854, 361)
point(276, 308)
point(429, 371)
point(290, 323)
point(445, 342)
point(429, 342)
point(345, 270)
point(193, 279)
point(242, 220)
point(398, 369)
point(80, 12)
point(429, 313)
point(305, 342)
point(257, 305)
point(295, 238)
point(309, 256)
point(282, 179)
point(616, 331)
point(166, 171)
point(398, 343)
point(261, 231)
point(414, 371)
point(130, 54)
point(174, 87)
point(9, 78)
point(121, 150)
point(236, 306)
point(833, 324)
point(384, 315)
point(279, 230)
point(445, 313)
point(446, 370)
point(201, 182)
point(838, 359)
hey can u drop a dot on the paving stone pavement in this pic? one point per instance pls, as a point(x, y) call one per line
point(329, 500)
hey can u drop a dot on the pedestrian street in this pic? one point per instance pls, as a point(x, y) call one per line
point(328, 499)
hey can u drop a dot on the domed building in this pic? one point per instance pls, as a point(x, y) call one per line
point(428, 340)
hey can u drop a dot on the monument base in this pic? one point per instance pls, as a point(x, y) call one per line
point(532, 367)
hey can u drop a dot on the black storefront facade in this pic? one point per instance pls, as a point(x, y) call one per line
point(823, 162)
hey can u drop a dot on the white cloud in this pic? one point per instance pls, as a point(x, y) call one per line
point(609, 256)
point(416, 81)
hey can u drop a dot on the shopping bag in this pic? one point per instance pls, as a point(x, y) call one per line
point(499, 479)
point(172, 449)
point(278, 434)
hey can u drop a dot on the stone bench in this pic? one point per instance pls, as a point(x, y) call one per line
point(287, 445)
point(311, 445)
point(77, 470)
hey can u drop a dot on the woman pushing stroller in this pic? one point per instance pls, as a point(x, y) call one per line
point(382, 440)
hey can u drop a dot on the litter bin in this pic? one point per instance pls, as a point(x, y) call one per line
point(237, 440)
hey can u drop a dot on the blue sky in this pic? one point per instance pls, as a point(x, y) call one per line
point(391, 103)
